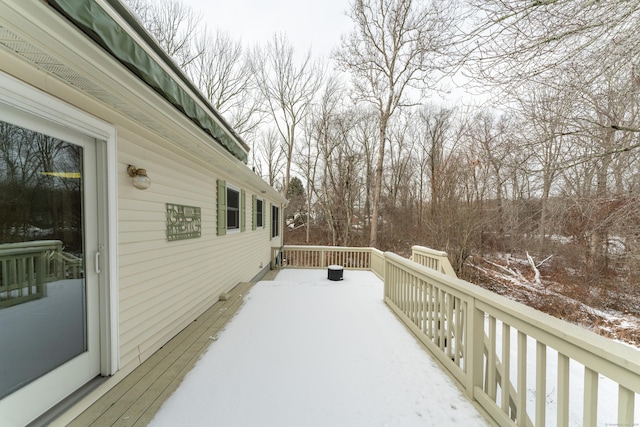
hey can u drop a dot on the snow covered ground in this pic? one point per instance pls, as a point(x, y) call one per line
point(305, 351)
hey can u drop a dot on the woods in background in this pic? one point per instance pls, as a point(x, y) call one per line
point(370, 152)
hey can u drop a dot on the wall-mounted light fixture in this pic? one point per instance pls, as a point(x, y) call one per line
point(139, 177)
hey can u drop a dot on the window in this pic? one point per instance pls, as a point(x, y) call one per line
point(259, 213)
point(233, 209)
point(275, 221)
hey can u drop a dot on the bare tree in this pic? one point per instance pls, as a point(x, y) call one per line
point(271, 155)
point(308, 163)
point(520, 40)
point(515, 41)
point(547, 140)
point(173, 24)
point(319, 142)
point(365, 132)
point(288, 88)
point(436, 123)
point(395, 45)
point(223, 73)
point(398, 201)
point(606, 153)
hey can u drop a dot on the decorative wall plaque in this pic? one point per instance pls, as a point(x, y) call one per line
point(183, 222)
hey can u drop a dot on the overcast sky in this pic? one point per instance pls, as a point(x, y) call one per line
point(315, 24)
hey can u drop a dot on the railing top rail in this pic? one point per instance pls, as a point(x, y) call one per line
point(327, 248)
point(376, 251)
point(34, 243)
point(429, 251)
point(531, 320)
point(22, 248)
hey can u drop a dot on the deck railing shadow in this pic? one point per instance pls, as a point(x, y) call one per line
point(508, 357)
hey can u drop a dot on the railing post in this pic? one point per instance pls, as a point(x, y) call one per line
point(273, 260)
point(387, 277)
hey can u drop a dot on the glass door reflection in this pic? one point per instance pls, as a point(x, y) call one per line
point(42, 255)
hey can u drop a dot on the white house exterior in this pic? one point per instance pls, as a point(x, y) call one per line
point(92, 94)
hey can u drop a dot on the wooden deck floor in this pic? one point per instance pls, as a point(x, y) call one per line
point(136, 399)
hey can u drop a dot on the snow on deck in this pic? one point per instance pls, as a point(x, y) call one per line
point(306, 351)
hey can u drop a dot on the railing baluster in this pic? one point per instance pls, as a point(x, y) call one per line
point(409, 296)
point(563, 390)
point(475, 349)
point(396, 285)
point(449, 338)
point(522, 380)
point(491, 360)
point(430, 297)
point(438, 317)
point(626, 406)
point(466, 314)
point(541, 384)
point(22, 274)
point(414, 299)
point(4, 269)
point(590, 408)
point(457, 328)
point(407, 289)
point(31, 279)
point(505, 384)
point(425, 307)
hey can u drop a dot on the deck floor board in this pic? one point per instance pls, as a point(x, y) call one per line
point(136, 399)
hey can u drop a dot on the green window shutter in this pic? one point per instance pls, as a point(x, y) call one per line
point(254, 212)
point(270, 222)
point(222, 208)
point(243, 210)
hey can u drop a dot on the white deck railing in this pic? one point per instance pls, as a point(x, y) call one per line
point(324, 256)
point(508, 357)
point(26, 267)
point(436, 260)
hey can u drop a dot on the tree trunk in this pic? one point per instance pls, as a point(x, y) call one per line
point(373, 241)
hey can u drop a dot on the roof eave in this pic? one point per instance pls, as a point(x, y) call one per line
point(100, 26)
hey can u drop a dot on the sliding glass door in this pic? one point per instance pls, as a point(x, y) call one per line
point(49, 312)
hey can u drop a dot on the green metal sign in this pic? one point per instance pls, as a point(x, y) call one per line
point(183, 222)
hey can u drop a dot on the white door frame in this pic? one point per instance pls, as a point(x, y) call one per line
point(30, 100)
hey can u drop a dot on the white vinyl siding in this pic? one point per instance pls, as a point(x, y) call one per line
point(165, 285)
